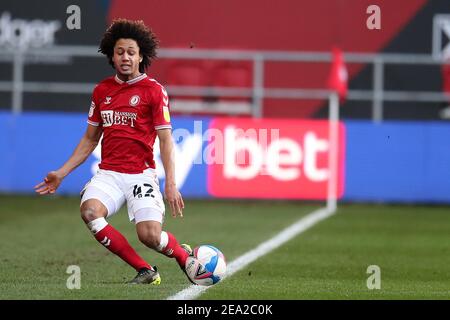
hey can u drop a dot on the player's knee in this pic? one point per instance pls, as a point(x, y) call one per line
point(150, 237)
point(90, 212)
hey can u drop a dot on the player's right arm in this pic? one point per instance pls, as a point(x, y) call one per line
point(85, 147)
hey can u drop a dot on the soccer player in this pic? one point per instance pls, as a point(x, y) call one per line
point(130, 110)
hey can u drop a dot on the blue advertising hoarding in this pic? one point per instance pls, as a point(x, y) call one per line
point(387, 162)
point(32, 144)
point(397, 162)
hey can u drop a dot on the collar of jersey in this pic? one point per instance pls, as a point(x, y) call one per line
point(137, 79)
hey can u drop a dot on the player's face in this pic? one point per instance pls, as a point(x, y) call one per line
point(126, 59)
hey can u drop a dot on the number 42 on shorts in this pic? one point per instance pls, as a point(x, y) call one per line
point(148, 190)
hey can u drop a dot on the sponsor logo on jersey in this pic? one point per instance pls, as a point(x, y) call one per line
point(134, 100)
point(111, 117)
point(108, 100)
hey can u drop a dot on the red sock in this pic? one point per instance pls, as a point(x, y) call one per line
point(115, 242)
point(173, 250)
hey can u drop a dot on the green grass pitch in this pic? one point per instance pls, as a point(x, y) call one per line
point(41, 236)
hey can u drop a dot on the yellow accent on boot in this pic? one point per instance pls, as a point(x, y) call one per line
point(157, 281)
point(187, 248)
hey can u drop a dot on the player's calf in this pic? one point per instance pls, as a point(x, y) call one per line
point(149, 234)
point(93, 214)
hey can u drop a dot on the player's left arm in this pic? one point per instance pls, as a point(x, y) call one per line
point(173, 196)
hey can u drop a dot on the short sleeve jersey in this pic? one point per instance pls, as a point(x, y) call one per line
point(130, 113)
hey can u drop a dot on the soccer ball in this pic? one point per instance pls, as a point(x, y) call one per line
point(206, 266)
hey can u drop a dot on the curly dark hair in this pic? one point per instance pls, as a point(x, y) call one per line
point(128, 29)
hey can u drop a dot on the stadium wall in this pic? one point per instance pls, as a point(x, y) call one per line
point(288, 26)
point(388, 162)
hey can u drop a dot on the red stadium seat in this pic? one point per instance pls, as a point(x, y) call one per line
point(187, 73)
point(235, 74)
point(210, 73)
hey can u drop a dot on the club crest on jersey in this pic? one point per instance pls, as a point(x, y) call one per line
point(134, 100)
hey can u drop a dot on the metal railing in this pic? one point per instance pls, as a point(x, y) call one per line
point(257, 93)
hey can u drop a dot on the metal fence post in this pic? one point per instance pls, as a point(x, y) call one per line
point(258, 85)
point(17, 79)
point(378, 89)
point(333, 153)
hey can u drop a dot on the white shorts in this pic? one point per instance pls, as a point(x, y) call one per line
point(140, 191)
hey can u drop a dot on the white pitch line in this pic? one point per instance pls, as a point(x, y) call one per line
point(264, 248)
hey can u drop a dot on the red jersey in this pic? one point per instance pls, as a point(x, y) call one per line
point(130, 113)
